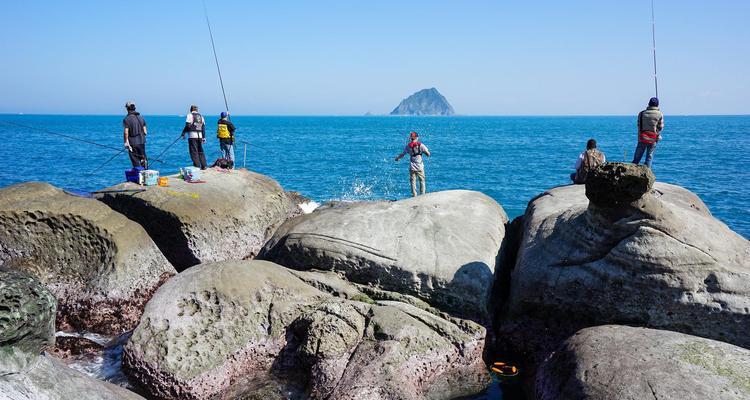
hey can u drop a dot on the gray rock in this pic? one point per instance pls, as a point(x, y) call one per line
point(613, 184)
point(27, 326)
point(408, 353)
point(101, 266)
point(214, 323)
point(619, 362)
point(27, 320)
point(228, 217)
point(441, 247)
point(49, 379)
point(660, 262)
point(424, 102)
point(219, 324)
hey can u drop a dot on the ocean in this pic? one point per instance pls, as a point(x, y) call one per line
point(511, 159)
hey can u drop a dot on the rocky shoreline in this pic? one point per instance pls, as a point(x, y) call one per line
point(622, 288)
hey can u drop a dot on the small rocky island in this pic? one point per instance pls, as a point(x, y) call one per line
point(624, 288)
point(424, 102)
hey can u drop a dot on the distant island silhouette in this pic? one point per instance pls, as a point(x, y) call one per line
point(424, 102)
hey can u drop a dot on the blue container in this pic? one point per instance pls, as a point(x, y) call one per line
point(132, 175)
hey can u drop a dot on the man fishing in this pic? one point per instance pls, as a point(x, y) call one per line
point(415, 149)
point(195, 127)
point(225, 134)
point(135, 136)
point(650, 125)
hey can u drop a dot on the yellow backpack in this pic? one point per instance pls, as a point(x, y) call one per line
point(222, 132)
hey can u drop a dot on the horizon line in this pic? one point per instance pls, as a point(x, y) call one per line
point(20, 114)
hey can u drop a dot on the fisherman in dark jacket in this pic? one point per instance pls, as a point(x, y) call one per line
point(134, 136)
point(195, 128)
point(650, 125)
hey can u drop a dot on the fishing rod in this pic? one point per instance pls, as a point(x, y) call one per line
point(170, 145)
point(106, 162)
point(653, 42)
point(119, 150)
point(216, 59)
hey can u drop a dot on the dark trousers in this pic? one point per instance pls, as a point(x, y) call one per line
point(138, 155)
point(196, 153)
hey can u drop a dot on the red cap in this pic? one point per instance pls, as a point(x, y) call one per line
point(413, 135)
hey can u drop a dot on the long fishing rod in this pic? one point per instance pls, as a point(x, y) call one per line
point(653, 42)
point(216, 59)
point(170, 145)
point(119, 150)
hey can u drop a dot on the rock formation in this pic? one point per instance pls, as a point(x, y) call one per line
point(217, 323)
point(101, 266)
point(441, 247)
point(657, 261)
point(619, 362)
point(27, 317)
point(424, 102)
point(228, 216)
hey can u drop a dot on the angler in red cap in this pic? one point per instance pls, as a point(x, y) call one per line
point(415, 149)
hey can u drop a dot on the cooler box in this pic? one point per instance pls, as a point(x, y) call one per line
point(133, 174)
point(149, 177)
point(190, 174)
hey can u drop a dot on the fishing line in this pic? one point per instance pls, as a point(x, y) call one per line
point(653, 42)
point(119, 150)
point(216, 59)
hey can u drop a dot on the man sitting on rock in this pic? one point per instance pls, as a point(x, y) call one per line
point(415, 149)
point(587, 161)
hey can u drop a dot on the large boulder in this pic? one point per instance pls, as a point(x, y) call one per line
point(619, 362)
point(440, 247)
point(27, 324)
point(661, 261)
point(220, 325)
point(227, 216)
point(101, 266)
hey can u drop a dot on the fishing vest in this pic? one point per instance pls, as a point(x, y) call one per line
point(222, 132)
point(592, 159)
point(197, 125)
point(649, 121)
point(415, 149)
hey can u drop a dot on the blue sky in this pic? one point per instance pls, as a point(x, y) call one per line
point(350, 57)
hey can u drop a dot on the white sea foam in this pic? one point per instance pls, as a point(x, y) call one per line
point(309, 206)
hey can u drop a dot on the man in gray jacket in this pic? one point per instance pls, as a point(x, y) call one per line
point(650, 125)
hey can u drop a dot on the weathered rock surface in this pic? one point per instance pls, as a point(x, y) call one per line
point(615, 183)
point(424, 102)
point(661, 261)
point(441, 247)
point(27, 322)
point(619, 362)
point(220, 323)
point(101, 266)
point(227, 217)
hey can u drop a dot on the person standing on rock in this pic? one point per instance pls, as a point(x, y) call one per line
point(415, 149)
point(195, 127)
point(134, 135)
point(587, 161)
point(650, 125)
point(225, 133)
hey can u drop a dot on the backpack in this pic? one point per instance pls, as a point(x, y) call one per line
point(223, 163)
point(197, 125)
point(592, 159)
point(415, 149)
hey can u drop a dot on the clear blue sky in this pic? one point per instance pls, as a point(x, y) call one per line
point(350, 57)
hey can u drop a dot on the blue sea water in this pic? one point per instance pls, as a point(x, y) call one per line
point(511, 159)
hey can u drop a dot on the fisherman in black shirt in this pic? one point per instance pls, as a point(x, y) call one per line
point(135, 136)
